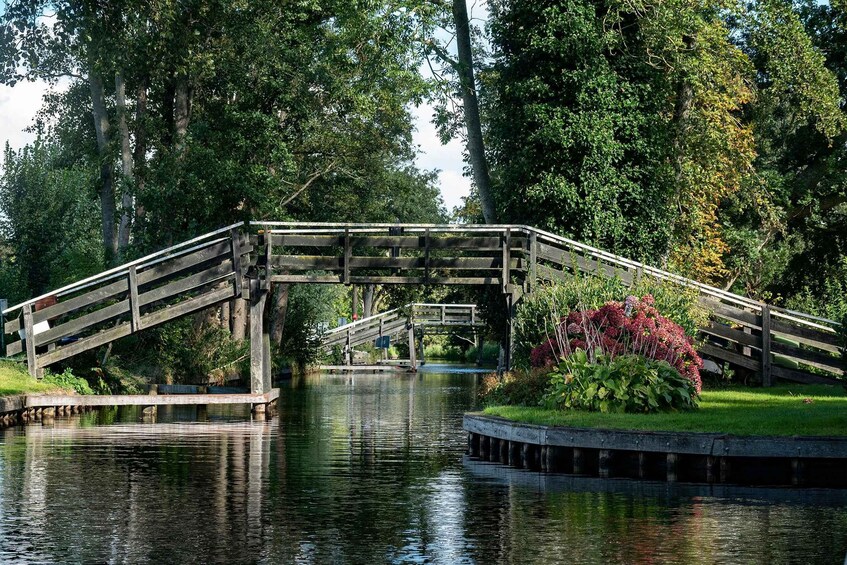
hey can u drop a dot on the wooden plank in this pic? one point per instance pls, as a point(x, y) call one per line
point(29, 333)
point(161, 270)
point(301, 240)
point(479, 243)
point(14, 348)
point(766, 346)
point(12, 326)
point(808, 336)
point(731, 356)
point(802, 377)
point(210, 275)
point(83, 323)
point(732, 313)
point(738, 336)
point(322, 279)
point(307, 262)
point(134, 306)
point(258, 298)
point(37, 401)
point(813, 358)
point(147, 320)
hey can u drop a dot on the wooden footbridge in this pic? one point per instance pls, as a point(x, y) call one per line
point(414, 320)
point(242, 261)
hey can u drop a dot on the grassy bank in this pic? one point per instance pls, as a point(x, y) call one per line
point(814, 410)
point(15, 380)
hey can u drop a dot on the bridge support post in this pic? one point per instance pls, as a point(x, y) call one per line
point(260, 362)
point(413, 364)
point(423, 360)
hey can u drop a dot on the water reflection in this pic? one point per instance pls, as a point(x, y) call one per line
point(363, 469)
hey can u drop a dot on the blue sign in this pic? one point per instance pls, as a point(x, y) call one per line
point(383, 342)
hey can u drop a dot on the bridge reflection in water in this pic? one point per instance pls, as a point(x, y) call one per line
point(362, 469)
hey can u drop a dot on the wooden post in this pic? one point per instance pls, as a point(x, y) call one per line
point(257, 336)
point(355, 303)
point(348, 252)
point(29, 334)
point(3, 305)
point(426, 257)
point(423, 360)
point(266, 280)
point(479, 343)
point(510, 335)
point(672, 460)
point(266, 364)
point(577, 461)
point(507, 257)
point(133, 299)
point(533, 261)
point(604, 463)
point(767, 378)
point(234, 241)
point(412, 361)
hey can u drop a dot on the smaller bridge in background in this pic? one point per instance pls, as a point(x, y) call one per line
point(412, 320)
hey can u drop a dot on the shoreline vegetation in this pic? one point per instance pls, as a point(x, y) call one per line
point(14, 381)
point(785, 410)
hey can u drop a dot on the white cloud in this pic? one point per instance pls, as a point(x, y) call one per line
point(446, 158)
point(18, 106)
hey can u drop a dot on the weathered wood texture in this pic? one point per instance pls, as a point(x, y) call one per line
point(35, 401)
point(788, 346)
point(209, 270)
point(398, 321)
point(145, 293)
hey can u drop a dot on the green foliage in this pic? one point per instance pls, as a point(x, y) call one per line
point(15, 380)
point(627, 383)
point(518, 388)
point(188, 353)
point(48, 225)
point(540, 311)
point(311, 310)
point(68, 380)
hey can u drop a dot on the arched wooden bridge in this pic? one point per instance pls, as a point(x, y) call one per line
point(412, 319)
point(242, 261)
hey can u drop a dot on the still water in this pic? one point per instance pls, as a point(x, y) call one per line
point(364, 469)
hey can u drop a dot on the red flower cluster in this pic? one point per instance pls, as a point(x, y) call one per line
point(632, 327)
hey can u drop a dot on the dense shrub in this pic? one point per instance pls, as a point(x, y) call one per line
point(519, 388)
point(541, 311)
point(68, 380)
point(624, 383)
point(632, 328)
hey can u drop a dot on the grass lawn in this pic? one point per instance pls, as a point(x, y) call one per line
point(780, 410)
point(15, 380)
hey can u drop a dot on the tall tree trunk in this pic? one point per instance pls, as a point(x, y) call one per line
point(238, 311)
point(107, 188)
point(140, 151)
point(182, 112)
point(280, 311)
point(368, 301)
point(476, 147)
point(126, 164)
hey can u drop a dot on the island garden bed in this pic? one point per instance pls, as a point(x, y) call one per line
point(785, 410)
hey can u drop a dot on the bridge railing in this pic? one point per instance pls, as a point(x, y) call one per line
point(774, 342)
point(168, 284)
point(398, 320)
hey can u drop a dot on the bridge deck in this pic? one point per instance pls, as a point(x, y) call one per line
point(49, 400)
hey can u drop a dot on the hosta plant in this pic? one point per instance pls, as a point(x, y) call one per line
point(624, 383)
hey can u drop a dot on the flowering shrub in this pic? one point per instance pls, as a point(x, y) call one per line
point(632, 327)
point(625, 383)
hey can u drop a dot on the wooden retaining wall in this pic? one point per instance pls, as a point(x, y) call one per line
point(668, 456)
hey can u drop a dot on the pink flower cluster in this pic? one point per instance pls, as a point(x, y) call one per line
point(631, 327)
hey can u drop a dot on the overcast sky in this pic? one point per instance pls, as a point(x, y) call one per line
point(19, 104)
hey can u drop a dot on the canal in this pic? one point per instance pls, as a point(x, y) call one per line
point(364, 469)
